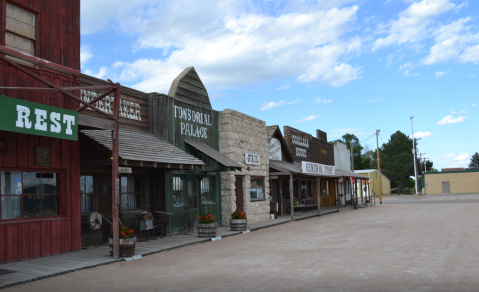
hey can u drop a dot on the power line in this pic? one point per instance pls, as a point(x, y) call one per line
point(367, 138)
point(381, 138)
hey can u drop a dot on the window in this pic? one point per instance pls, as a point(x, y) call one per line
point(257, 189)
point(20, 32)
point(87, 194)
point(178, 190)
point(130, 193)
point(28, 194)
point(207, 190)
point(192, 194)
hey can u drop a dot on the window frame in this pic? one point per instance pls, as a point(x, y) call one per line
point(95, 196)
point(185, 186)
point(140, 177)
point(31, 10)
point(264, 192)
point(61, 176)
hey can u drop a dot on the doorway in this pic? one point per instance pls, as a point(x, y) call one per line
point(445, 187)
point(239, 193)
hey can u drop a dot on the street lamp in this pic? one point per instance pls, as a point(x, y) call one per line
point(414, 157)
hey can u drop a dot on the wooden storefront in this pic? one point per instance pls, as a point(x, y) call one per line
point(39, 213)
point(186, 119)
point(144, 159)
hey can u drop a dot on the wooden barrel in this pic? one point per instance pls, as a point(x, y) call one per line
point(238, 224)
point(207, 230)
point(127, 247)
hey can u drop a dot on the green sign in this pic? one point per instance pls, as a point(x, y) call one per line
point(21, 116)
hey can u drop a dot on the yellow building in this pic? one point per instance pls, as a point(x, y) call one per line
point(452, 182)
point(373, 176)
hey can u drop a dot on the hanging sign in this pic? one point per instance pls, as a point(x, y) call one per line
point(252, 159)
point(316, 168)
point(21, 116)
point(117, 191)
point(352, 179)
point(43, 156)
point(124, 170)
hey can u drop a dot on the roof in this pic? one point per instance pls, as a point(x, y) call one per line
point(270, 131)
point(369, 171)
point(142, 146)
point(342, 172)
point(214, 154)
point(284, 166)
point(188, 87)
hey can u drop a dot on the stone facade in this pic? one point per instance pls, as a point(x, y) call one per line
point(240, 134)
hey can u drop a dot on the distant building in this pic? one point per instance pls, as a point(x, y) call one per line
point(373, 175)
point(452, 182)
point(453, 169)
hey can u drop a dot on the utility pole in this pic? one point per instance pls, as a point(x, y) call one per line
point(352, 156)
point(414, 157)
point(379, 168)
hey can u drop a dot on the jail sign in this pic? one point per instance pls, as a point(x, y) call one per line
point(21, 116)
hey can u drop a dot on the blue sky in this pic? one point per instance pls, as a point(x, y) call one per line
point(341, 66)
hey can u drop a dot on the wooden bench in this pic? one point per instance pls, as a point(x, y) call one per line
point(310, 204)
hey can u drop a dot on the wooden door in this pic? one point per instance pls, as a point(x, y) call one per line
point(104, 191)
point(239, 193)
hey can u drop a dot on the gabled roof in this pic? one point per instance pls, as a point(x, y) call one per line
point(271, 131)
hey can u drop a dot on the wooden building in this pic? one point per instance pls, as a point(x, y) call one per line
point(186, 119)
point(39, 212)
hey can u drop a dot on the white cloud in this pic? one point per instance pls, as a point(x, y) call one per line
point(85, 54)
point(270, 105)
point(285, 86)
point(233, 43)
point(405, 69)
point(461, 112)
point(101, 73)
point(473, 105)
point(451, 120)
point(319, 100)
point(414, 23)
point(451, 40)
point(448, 155)
point(441, 74)
point(372, 100)
point(462, 156)
point(310, 118)
point(422, 135)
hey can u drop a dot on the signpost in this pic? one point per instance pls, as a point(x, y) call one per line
point(27, 117)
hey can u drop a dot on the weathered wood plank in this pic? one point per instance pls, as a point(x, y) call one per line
point(193, 88)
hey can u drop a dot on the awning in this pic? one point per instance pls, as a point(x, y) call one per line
point(215, 155)
point(282, 166)
point(148, 150)
point(348, 173)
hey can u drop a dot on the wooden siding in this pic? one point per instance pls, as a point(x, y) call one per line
point(188, 87)
point(58, 29)
point(168, 126)
point(127, 95)
point(289, 132)
point(27, 239)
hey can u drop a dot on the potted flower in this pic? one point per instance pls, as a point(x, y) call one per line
point(127, 241)
point(368, 202)
point(206, 226)
point(238, 221)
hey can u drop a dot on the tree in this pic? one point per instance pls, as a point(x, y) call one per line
point(357, 148)
point(397, 160)
point(474, 164)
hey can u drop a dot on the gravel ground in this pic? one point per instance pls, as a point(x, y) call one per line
point(394, 247)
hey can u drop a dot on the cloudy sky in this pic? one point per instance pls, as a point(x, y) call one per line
point(337, 65)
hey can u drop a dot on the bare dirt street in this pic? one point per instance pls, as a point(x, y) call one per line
point(402, 245)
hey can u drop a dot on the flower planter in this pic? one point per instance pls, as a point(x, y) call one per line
point(207, 230)
point(238, 224)
point(127, 247)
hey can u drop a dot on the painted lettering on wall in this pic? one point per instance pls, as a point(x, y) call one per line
point(300, 141)
point(190, 116)
point(300, 152)
point(316, 168)
point(128, 110)
point(275, 149)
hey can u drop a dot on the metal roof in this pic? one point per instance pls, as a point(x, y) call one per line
point(214, 154)
point(284, 166)
point(141, 146)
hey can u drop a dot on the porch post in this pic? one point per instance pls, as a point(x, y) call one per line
point(291, 194)
point(114, 176)
point(338, 202)
point(318, 187)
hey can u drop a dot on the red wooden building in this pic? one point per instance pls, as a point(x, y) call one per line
point(39, 206)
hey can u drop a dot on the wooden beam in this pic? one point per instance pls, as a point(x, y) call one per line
point(94, 100)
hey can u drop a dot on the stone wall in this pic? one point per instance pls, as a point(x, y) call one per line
point(240, 134)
